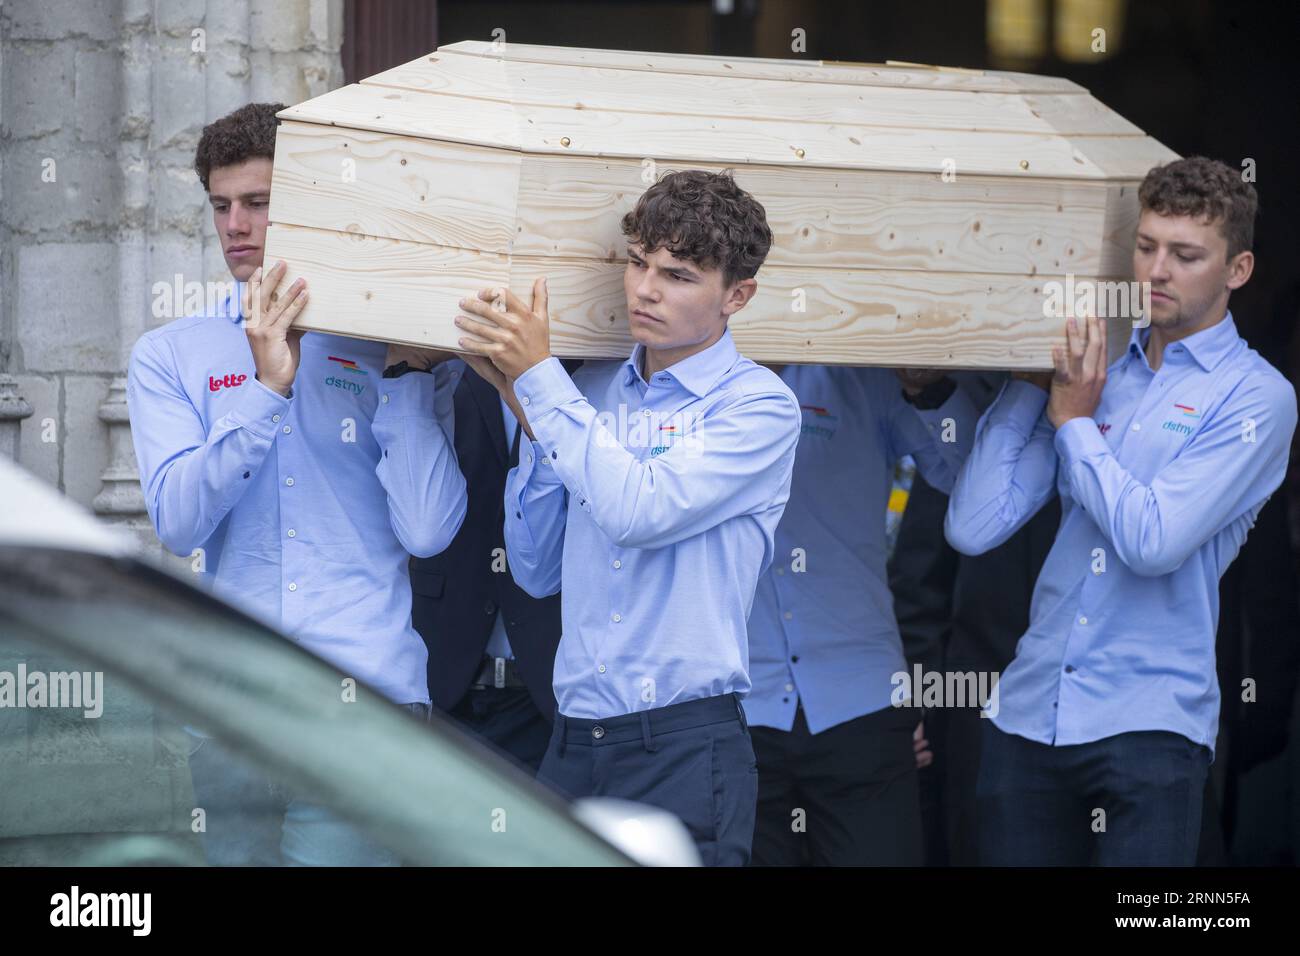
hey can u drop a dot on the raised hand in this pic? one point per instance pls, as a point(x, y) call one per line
point(1080, 372)
point(268, 317)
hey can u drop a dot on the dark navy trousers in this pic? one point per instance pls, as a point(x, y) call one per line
point(694, 759)
point(1133, 799)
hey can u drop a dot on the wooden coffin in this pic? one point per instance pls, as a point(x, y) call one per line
point(917, 211)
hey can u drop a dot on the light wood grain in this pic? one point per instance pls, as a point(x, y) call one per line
point(543, 129)
point(917, 213)
point(408, 292)
point(759, 100)
point(396, 187)
point(801, 71)
point(502, 201)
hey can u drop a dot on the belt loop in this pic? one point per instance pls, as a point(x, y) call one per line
point(563, 731)
point(650, 745)
point(740, 708)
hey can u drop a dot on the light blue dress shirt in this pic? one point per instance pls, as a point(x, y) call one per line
point(304, 507)
point(655, 504)
point(823, 630)
point(1158, 491)
point(498, 644)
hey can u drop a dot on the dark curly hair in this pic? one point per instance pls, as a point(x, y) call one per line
point(1206, 189)
point(704, 218)
point(246, 133)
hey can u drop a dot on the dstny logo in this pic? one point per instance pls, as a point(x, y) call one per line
point(102, 909)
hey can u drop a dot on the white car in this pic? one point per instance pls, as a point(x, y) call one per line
point(105, 661)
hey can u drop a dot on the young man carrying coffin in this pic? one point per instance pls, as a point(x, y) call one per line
point(1109, 711)
point(651, 489)
point(305, 466)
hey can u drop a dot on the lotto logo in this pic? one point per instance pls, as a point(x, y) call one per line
point(226, 381)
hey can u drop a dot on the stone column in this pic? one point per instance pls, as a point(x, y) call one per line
point(13, 409)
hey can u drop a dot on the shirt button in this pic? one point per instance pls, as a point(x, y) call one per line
point(617, 564)
point(287, 429)
point(293, 586)
point(291, 533)
point(646, 412)
point(601, 668)
point(1137, 427)
point(598, 731)
point(530, 457)
point(1083, 620)
point(275, 418)
point(289, 482)
point(1069, 668)
point(524, 400)
point(789, 616)
point(789, 687)
point(617, 618)
point(385, 399)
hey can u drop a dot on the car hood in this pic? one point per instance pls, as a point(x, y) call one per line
point(33, 513)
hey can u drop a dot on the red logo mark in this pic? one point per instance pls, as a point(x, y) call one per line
point(226, 381)
point(1103, 428)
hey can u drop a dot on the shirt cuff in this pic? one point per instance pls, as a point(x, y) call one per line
point(260, 409)
point(543, 387)
point(535, 466)
point(1079, 438)
point(410, 395)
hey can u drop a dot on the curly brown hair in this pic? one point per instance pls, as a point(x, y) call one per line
point(704, 218)
point(1206, 189)
point(246, 133)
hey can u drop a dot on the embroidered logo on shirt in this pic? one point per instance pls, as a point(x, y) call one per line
point(342, 381)
point(226, 381)
point(823, 422)
point(348, 364)
point(1103, 427)
point(1182, 427)
point(667, 433)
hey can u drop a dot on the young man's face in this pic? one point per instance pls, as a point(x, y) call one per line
point(674, 303)
point(1185, 260)
point(240, 196)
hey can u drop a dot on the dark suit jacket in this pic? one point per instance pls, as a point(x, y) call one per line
point(456, 594)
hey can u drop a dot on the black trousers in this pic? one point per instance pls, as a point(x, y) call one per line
point(847, 796)
point(1133, 799)
point(693, 759)
point(506, 718)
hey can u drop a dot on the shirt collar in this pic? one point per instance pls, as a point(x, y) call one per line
point(698, 373)
point(1208, 347)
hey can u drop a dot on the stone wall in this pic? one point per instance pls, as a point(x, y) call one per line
point(101, 107)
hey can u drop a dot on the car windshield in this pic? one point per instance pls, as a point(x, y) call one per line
point(125, 695)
